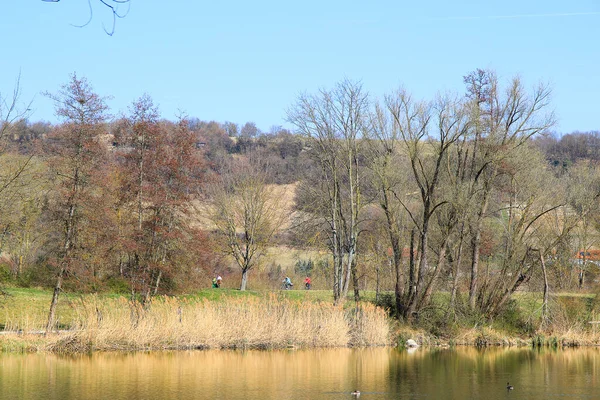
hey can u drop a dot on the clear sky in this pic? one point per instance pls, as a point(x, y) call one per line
point(245, 61)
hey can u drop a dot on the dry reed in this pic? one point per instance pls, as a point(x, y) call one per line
point(267, 322)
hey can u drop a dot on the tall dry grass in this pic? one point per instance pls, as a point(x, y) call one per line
point(267, 322)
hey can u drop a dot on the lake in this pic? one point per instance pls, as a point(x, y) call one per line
point(380, 373)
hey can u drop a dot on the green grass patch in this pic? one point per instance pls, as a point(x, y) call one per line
point(219, 294)
point(297, 295)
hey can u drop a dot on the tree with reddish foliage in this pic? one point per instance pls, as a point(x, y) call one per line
point(161, 167)
point(75, 154)
point(138, 135)
point(176, 166)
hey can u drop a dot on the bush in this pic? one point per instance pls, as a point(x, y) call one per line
point(435, 320)
point(511, 319)
point(38, 275)
point(304, 267)
point(387, 301)
point(5, 275)
point(118, 285)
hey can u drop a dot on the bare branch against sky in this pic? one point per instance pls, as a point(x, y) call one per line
point(112, 5)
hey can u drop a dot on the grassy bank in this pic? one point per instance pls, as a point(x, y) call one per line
point(279, 319)
point(573, 319)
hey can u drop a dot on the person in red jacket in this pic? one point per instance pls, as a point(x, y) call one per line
point(307, 282)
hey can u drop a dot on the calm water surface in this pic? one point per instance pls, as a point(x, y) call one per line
point(306, 374)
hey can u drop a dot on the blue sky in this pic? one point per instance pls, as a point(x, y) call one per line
point(245, 61)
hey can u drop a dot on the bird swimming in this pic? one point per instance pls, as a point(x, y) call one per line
point(356, 393)
point(509, 386)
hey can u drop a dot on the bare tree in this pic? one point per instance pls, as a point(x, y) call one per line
point(246, 213)
point(501, 122)
point(427, 132)
point(334, 121)
point(249, 130)
point(390, 183)
point(12, 110)
point(231, 128)
point(21, 204)
point(524, 216)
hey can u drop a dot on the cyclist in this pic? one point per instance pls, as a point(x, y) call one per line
point(307, 283)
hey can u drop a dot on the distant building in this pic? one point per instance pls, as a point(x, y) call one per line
point(591, 256)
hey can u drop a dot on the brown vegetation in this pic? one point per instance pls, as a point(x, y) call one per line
point(267, 322)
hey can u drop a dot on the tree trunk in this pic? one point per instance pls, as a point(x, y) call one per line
point(411, 274)
point(348, 273)
point(581, 277)
point(337, 273)
point(158, 278)
point(377, 282)
point(398, 289)
point(440, 265)
point(67, 252)
point(54, 303)
point(244, 279)
point(147, 297)
point(520, 278)
point(336, 253)
point(476, 245)
point(421, 271)
point(397, 260)
point(546, 289)
point(355, 281)
point(121, 265)
point(456, 273)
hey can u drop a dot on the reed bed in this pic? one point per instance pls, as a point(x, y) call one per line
point(263, 322)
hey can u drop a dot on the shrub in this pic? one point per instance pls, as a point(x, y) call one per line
point(118, 285)
point(304, 267)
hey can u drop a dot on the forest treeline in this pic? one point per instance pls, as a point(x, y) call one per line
point(470, 194)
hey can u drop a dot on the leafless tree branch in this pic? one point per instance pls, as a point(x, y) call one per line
point(112, 5)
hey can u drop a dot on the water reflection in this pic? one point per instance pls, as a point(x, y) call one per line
point(469, 373)
point(305, 374)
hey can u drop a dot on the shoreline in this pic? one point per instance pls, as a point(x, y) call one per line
point(253, 320)
point(70, 342)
